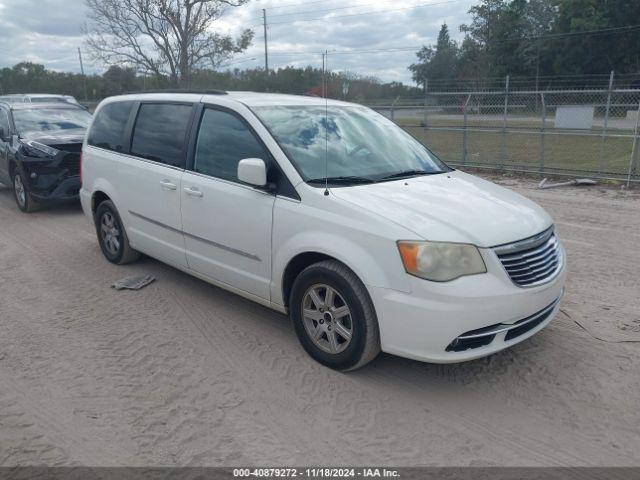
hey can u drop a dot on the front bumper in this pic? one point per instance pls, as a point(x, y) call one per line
point(52, 179)
point(424, 323)
point(65, 189)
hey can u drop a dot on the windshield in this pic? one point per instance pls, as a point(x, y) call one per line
point(360, 143)
point(50, 119)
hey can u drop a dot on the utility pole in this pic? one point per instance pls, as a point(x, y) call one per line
point(538, 67)
point(266, 55)
point(84, 78)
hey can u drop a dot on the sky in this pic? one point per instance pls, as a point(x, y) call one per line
point(50, 31)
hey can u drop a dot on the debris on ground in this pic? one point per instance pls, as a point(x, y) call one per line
point(133, 283)
point(578, 181)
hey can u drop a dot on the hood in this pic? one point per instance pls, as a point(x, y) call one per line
point(451, 207)
point(56, 137)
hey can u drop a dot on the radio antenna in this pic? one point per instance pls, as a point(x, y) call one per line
point(325, 62)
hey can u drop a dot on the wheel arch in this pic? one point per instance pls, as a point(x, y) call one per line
point(372, 258)
point(100, 190)
point(14, 164)
point(97, 198)
point(296, 265)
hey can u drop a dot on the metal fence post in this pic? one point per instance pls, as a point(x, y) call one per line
point(504, 121)
point(424, 114)
point(606, 125)
point(464, 131)
point(393, 105)
point(634, 151)
point(543, 117)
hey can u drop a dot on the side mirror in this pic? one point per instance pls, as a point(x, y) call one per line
point(253, 171)
point(3, 134)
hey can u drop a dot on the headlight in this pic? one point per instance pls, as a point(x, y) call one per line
point(439, 261)
point(42, 148)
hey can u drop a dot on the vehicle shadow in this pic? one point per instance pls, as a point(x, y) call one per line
point(57, 208)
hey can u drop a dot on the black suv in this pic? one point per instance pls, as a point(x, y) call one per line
point(40, 147)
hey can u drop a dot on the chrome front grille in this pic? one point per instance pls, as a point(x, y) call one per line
point(532, 261)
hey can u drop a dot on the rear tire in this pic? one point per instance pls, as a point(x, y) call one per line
point(112, 236)
point(21, 193)
point(333, 316)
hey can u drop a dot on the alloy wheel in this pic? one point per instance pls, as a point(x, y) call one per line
point(327, 318)
point(110, 232)
point(21, 193)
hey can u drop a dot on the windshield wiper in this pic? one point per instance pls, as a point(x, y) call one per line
point(407, 173)
point(340, 180)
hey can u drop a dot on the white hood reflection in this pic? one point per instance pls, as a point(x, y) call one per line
point(452, 207)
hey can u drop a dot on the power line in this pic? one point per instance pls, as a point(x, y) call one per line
point(408, 48)
point(351, 6)
point(301, 3)
point(583, 32)
point(305, 12)
point(235, 62)
point(377, 12)
point(417, 47)
point(264, 19)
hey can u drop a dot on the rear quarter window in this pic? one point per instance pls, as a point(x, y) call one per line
point(109, 127)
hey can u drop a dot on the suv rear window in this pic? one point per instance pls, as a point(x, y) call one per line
point(160, 133)
point(109, 126)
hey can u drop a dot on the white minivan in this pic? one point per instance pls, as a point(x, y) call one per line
point(327, 211)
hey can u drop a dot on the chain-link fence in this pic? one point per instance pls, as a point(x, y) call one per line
point(590, 133)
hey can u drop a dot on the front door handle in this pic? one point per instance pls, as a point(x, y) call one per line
point(167, 185)
point(192, 192)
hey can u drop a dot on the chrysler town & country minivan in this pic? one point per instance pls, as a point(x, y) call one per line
point(327, 211)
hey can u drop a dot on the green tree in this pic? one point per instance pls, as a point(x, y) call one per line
point(598, 52)
point(117, 80)
point(506, 38)
point(497, 34)
point(437, 64)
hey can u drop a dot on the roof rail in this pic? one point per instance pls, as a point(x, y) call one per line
point(178, 90)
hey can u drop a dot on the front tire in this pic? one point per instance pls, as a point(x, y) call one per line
point(21, 193)
point(112, 236)
point(333, 316)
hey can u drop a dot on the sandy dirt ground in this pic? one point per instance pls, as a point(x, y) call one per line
point(183, 373)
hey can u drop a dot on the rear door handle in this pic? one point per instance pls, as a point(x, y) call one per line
point(192, 192)
point(167, 185)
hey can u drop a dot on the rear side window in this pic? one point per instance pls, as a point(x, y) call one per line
point(4, 122)
point(223, 141)
point(160, 133)
point(109, 126)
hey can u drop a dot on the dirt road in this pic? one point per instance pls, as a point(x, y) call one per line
point(183, 373)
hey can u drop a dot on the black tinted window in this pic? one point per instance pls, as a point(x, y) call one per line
point(4, 122)
point(108, 129)
point(223, 141)
point(160, 133)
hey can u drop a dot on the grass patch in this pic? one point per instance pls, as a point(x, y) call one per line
point(575, 152)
